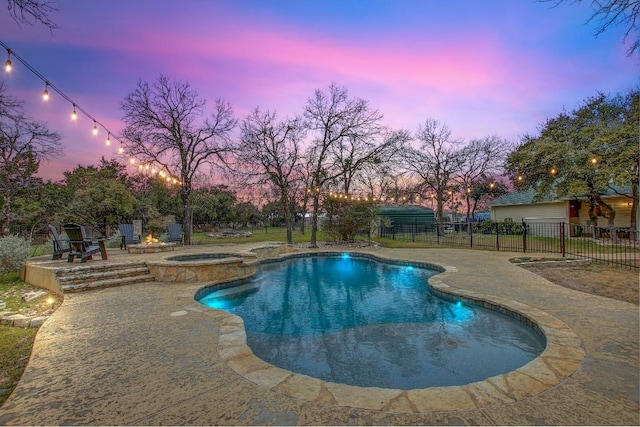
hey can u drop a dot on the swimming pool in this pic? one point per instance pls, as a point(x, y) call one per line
point(356, 321)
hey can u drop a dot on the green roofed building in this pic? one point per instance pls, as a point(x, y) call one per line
point(418, 217)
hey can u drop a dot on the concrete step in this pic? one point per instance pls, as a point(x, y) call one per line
point(88, 268)
point(106, 283)
point(93, 275)
point(74, 279)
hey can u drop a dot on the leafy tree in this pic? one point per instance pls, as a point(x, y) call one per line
point(273, 214)
point(246, 213)
point(586, 151)
point(154, 198)
point(269, 154)
point(213, 205)
point(24, 143)
point(166, 124)
point(346, 218)
point(98, 196)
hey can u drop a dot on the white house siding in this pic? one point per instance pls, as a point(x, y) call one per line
point(542, 212)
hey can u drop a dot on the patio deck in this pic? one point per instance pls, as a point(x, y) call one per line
point(147, 354)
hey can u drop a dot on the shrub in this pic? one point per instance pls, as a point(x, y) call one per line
point(14, 251)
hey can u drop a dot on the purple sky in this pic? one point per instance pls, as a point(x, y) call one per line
point(481, 67)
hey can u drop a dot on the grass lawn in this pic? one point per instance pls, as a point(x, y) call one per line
point(16, 343)
point(269, 234)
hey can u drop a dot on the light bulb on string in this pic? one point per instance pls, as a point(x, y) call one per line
point(95, 128)
point(7, 65)
point(594, 161)
point(74, 114)
point(120, 149)
point(45, 94)
point(108, 141)
point(553, 171)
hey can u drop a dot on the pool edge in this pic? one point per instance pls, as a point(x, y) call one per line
point(562, 357)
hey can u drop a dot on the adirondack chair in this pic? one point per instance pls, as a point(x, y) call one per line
point(175, 233)
point(80, 246)
point(60, 246)
point(126, 232)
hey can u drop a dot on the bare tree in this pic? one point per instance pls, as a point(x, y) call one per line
point(31, 11)
point(354, 155)
point(332, 118)
point(166, 124)
point(479, 159)
point(24, 143)
point(269, 153)
point(611, 13)
point(434, 163)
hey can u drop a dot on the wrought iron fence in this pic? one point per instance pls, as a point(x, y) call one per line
point(615, 246)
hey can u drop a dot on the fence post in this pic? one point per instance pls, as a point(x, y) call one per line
point(524, 236)
point(562, 242)
point(498, 236)
point(413, 232)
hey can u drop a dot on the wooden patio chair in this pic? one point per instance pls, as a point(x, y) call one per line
point(60, 246)
point(175, 233)
point(127, 236)
point(81, 246)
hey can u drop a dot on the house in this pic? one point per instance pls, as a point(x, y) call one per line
point(519, 206)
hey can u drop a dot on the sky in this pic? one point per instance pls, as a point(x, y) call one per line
point(490, 67)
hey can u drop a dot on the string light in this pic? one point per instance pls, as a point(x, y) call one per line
point(76, 107)
point(7, 65)
point(553, 170)
point(594, 161)
point(45, 94)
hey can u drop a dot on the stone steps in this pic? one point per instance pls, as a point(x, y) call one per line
point(76, 279)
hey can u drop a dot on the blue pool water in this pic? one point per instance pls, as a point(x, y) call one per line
point(361, 322)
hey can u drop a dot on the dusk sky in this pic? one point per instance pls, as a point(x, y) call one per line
point(489, 67)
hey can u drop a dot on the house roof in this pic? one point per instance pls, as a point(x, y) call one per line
point(526, 197)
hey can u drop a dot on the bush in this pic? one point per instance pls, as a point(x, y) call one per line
point(14, 251)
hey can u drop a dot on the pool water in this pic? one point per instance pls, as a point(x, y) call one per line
point(357, 321)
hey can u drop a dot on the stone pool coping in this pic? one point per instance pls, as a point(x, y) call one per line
point(561, 358)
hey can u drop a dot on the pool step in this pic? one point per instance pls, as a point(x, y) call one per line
point(76, 279)
point(235, 291)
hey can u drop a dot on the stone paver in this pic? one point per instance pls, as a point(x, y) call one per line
point(123, 356)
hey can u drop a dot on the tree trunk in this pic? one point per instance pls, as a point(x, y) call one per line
point(634, 207)
point(314, 220)
point(5, 215)
point(440, 212)
point(186, 221)
point(284, 200)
